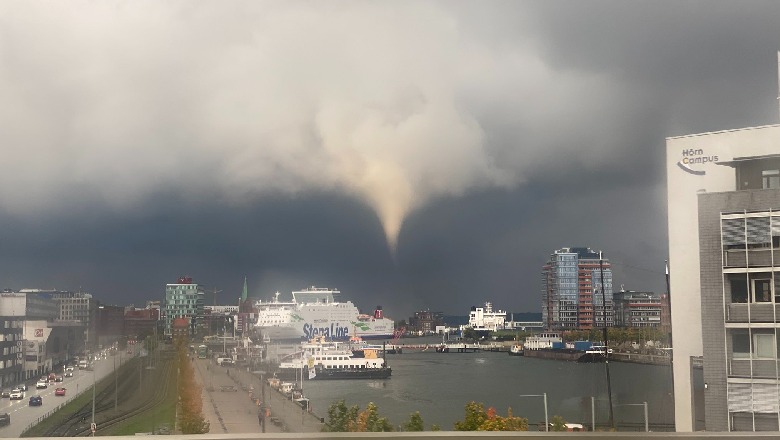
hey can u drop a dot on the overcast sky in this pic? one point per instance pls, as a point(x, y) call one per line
point(412, 154)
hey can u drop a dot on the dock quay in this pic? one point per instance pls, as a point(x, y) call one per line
point(457, 347)
point(232, 399)
point(561, 354)
point(636, 358)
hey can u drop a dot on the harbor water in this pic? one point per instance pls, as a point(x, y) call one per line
point(439, 385)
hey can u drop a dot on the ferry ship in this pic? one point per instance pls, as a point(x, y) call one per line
point(322, 360)
point(314, 312)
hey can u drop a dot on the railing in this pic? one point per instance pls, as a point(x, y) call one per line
point(47, 414)
point(759, 312)
point(761, 368)
point(750, 258)
point(467, 435)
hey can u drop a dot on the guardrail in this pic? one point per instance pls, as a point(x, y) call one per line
point(46, 415)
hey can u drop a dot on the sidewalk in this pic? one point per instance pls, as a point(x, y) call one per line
point(237, 411)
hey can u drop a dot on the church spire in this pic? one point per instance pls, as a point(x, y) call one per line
point(243, 292)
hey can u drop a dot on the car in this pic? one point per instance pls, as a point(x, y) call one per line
point(17, 394)
point(59, 391)
point(23, 387)
point(36, 401)
point(41, 384)
point(6, 394)
point(69, 368)
point(69, 374)
point(5, 419)
point(58, 379)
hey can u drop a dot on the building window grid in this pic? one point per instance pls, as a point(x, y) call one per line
point(762, 345)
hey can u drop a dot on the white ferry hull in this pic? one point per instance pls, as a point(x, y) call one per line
point(315, 313)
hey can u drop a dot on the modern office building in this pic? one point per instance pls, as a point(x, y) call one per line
point(12, 309)
point(139, 323)
point(739, 239)
point(183, 299)
point(110, 324)
point(641, 309)
point(716, 184)
point(572, 295)
point(79, 307)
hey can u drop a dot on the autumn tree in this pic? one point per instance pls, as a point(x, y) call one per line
point(557, 423)
point(350, 419)
point(479, 419)
point(191, 419)
point(369, 420)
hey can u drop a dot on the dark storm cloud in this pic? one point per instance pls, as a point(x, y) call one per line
point(413, 155)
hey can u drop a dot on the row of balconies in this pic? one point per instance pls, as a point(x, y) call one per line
point(766, 368)
point(759, 312)
point(762, 257)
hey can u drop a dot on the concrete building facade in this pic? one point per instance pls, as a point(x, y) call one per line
point(695, 166)
point(641, 309)
point(739, 236)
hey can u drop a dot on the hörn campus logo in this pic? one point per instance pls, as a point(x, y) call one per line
point(695, 157)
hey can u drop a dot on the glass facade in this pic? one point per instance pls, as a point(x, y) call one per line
point(571, 295)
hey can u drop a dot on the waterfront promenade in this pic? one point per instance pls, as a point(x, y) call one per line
point(233, 412)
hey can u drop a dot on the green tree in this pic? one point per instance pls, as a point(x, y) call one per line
point(475, 416)
point(341, 418)
point(470, 334)
point(350, 419)
point(415, 423)
point(557, 423)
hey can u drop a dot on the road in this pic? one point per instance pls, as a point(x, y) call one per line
point(22, 415)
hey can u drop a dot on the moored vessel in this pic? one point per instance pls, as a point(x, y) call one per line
point(322, 360)
point(315, 312)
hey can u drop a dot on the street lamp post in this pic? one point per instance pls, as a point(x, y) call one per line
point(544, 395)
point(592, 413)
point(93, 399)
point(94, 383)
point(116, 387)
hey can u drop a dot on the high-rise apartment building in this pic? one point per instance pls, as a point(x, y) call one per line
point(722, 208)
point(183, 299)
point(572, 290)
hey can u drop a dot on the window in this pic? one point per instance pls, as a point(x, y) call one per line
point(764, 344)
point(770, 179)
point(739, 291)
point(740, 344)
point(762, 290)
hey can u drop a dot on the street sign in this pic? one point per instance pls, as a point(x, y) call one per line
point(93, 427)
